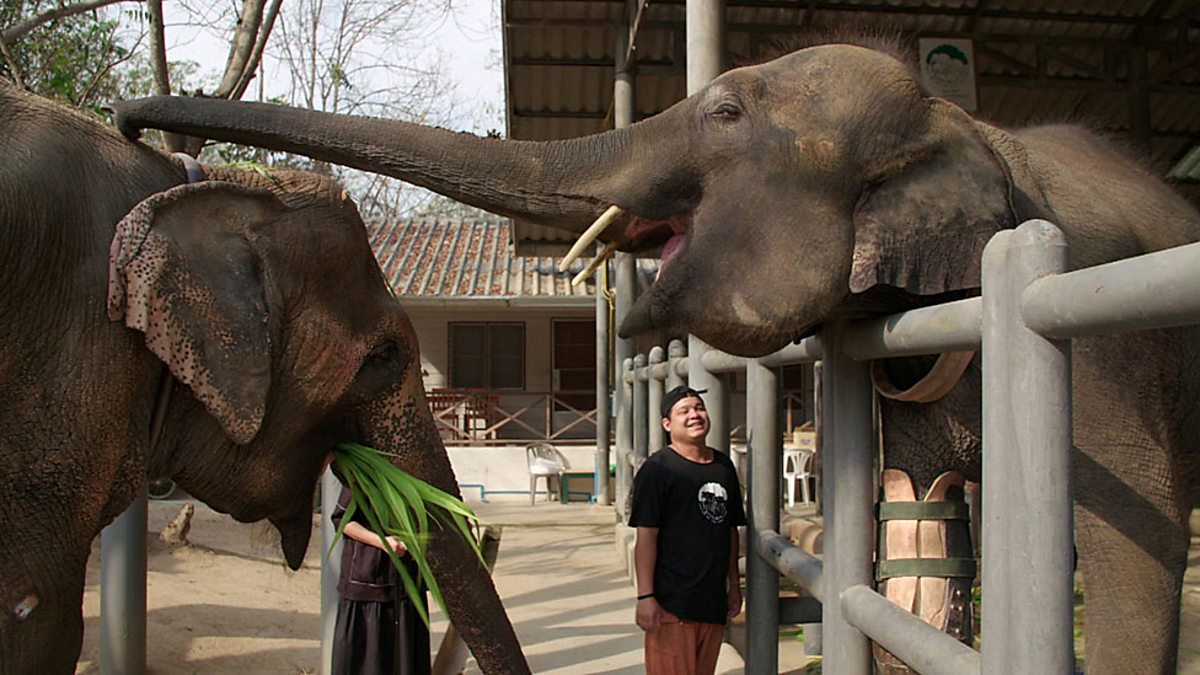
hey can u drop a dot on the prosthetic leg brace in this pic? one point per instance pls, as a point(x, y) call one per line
point(926, 561)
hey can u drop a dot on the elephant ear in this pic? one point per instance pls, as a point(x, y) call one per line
point(183, 271)
point(923, 227)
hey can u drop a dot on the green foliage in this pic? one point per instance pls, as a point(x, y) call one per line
point(398, 504)
point(71, 59)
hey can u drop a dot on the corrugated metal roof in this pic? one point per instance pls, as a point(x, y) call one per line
point(468, 259)
point(1036, 60)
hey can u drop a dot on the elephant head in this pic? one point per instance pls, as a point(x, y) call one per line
point(799, 161)
point(249, 306)
point(261, 296)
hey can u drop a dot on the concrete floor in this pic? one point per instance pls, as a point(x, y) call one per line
point(568, 595)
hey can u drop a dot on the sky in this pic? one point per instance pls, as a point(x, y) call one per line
point(469, 37)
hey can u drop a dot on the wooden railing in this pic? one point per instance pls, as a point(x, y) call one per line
point(492, 417)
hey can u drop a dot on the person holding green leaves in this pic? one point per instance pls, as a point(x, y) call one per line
point(379, 628)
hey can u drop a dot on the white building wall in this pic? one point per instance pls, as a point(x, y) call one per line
point(431, 321)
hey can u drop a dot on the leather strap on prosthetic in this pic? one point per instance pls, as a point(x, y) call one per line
point(926, 564)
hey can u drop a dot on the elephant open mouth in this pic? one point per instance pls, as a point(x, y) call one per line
point(640, 235)
point(646, 234)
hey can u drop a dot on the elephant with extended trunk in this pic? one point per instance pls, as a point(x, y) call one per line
point(827, 185)
point(246, 312)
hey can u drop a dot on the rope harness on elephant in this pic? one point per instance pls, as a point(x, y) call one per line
point(924, 544)
point(195, 174)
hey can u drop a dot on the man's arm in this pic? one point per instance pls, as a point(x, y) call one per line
point(645, 555)
point(735, 582)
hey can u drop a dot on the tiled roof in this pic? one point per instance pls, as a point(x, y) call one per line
point(468, 259)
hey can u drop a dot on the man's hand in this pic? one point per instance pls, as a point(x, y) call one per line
point(735, 601)
point(649, 614)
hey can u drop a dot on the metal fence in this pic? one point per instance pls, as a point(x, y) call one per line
point(1028, 311)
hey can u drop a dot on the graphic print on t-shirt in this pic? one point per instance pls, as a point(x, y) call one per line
point(712, 502)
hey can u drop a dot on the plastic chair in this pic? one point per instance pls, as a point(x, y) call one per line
point(545, 461)
point(797, 468)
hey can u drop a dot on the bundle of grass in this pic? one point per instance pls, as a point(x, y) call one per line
point(398, 504)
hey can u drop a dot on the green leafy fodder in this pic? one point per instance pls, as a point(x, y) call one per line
point(398, 504)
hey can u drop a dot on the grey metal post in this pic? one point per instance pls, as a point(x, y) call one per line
point(623, 86)
point(123, 591)
point(705, 42)
point(675, 351)
point(848, 499)
point(762, 581)
point(331, 568)
point(603, 402)
point(715, 400)
point(640, 439)
point(654, 393)
point(705, 25)
point(626, 285)
point(1027, 520)
point(624, 430)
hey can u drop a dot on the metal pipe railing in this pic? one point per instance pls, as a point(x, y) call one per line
point(1027, 509)
point(1149, 291)
point(924, 648)
point(123, 591)
point(952, 327)
point(765, 451)
point(848, 493)
point(793, 562)
point(654, 395)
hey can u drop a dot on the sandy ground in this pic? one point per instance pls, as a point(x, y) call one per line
point(227, 603)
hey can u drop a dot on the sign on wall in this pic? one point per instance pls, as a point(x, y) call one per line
point(948, 70)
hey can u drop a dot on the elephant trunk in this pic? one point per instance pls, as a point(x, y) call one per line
point(563, 184)
point(404, 428)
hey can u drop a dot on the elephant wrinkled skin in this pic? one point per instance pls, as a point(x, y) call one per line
point(826, 185)
point(256, 298)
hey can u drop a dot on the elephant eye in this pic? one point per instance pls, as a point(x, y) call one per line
point(383, 366)
point(726, 111)
point(384, 352)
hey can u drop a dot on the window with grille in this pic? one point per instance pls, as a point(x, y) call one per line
point(575, 362)
point(487, 355)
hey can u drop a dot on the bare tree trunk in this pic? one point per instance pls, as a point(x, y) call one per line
point(162, 75)
point(245, 36)
point(260, 44)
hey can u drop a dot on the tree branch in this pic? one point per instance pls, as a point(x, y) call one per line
point(162, 73)
point(240, 47)
point(13, 68)
point(260, 44)
point(22, 28)
point(158, 49)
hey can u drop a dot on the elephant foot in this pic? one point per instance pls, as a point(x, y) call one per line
point(927, 563)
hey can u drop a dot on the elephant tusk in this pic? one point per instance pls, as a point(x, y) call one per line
point(596, 262)
point(597, 228)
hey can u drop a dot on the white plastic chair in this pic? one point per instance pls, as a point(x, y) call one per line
point(797, 468)
point(545, 461)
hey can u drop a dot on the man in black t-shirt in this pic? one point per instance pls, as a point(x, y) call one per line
point(687, 506)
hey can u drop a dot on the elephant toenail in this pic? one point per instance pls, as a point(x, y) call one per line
point(26, 607)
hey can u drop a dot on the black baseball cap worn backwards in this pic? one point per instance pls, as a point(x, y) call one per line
point(678, 394)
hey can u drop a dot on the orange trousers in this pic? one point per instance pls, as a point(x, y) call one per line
point(679, 647)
